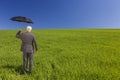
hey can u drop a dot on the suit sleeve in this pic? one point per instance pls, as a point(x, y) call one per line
point(35, 43)
point(18, 35)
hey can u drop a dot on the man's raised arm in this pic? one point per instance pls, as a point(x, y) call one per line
point(18, 34)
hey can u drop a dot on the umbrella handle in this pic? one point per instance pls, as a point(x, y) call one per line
point(21, 29)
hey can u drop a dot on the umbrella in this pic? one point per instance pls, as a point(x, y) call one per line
point(21, 19)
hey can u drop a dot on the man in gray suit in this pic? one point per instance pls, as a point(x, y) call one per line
point(27, 47)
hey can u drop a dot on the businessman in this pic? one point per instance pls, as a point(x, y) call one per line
point(27, 47)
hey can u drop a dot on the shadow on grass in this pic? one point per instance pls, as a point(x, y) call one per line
point(17, 69)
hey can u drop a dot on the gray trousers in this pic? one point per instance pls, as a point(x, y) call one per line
point(28, 58)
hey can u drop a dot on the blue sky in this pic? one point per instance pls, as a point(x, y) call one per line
point(61, 13)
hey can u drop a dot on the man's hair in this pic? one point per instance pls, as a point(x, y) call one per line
point(28, 28)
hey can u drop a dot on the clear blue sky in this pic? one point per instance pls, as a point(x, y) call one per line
point(61, 13)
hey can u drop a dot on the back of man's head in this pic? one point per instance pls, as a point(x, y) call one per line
point(28, 28)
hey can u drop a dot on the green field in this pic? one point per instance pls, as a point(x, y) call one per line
point(65, 54)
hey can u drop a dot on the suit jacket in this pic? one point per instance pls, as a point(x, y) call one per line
point(28, 41)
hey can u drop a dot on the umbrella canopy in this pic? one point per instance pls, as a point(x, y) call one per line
point(21, 19)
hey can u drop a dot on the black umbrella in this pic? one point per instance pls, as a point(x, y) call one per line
point(21, 19)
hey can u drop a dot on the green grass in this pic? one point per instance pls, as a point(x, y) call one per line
point(66, 54)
